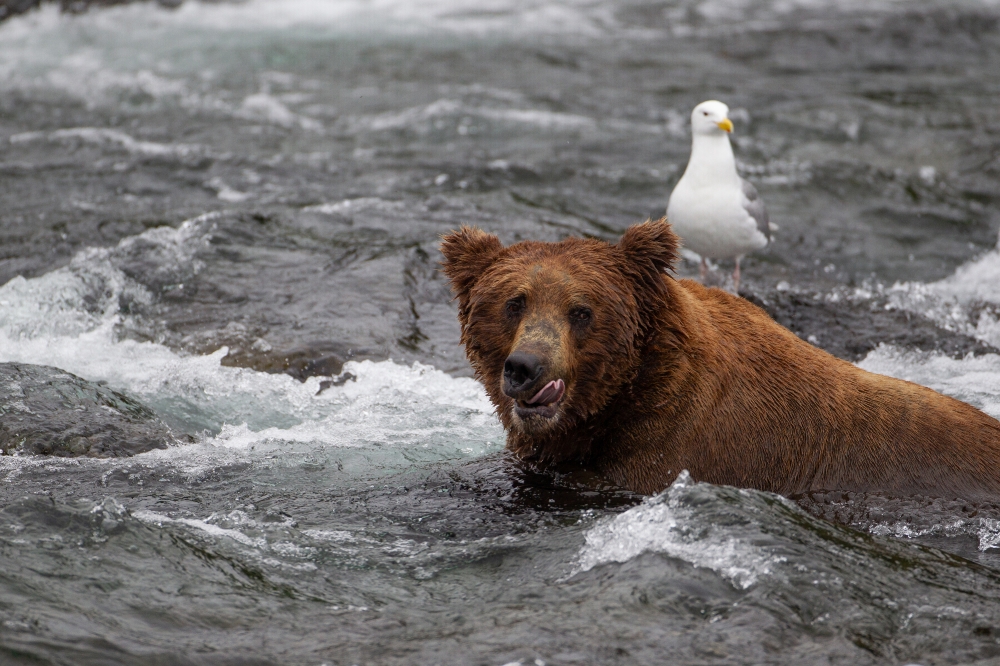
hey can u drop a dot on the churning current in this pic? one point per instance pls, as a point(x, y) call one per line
point(223, 219)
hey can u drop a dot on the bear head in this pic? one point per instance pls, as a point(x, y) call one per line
point(554, 331)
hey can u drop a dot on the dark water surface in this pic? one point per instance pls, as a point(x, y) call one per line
point(210, 210)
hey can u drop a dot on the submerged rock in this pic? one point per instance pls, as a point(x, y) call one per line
point(46, 411)
point(324, 359)
point(849, 330)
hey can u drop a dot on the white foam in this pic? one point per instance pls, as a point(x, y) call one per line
point(976, 280)
point(85, 295)
point(408, 408)
point(395, 16)
point(334, 536)
point(141, 54)
point(986, 530)
point(226, 193)
point(356, 205)
point(263, 106)
point(424, 118)
point(663, 524)
point(69, 319)
point(988, 533)
point(142, 23)
point(968, 302)
point(154, 518)
point(973, 379)
point(478, 17)
point(101, 136)
point(136, 53)
point(260, 546)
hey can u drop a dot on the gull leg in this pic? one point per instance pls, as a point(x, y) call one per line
point(703, 270)
point(736, 277)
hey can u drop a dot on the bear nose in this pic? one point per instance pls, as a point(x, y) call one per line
point(520, 371)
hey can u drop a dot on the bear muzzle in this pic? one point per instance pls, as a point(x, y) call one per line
point(523, 376)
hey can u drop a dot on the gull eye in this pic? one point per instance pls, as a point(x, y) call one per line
point(580, 316)
point(704, 113)
point(514, 307)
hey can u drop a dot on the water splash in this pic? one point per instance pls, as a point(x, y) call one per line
point(667, 524)
point(967, 301)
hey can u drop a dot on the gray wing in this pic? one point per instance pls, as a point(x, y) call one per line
point(755, 207)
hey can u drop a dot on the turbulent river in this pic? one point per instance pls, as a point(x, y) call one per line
point(229, 214)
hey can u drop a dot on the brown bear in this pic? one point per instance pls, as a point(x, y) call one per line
point(594, 353)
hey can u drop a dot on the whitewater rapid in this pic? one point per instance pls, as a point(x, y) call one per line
point(71, 318)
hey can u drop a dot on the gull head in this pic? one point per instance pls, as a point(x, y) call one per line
point(711, 118)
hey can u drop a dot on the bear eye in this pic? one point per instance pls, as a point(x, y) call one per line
point(580, 316)
point(514, 307)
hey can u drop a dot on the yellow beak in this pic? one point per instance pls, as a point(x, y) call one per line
point(726, 125)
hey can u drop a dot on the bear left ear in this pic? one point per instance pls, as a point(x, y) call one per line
point(468, 252)
point(652, 247)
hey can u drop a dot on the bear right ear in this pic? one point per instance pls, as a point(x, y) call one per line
point(651, 247)
point(468, 252)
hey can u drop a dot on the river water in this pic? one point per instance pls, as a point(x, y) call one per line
point(214, 209)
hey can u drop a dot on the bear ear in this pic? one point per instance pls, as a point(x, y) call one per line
point(651, 247)
point(468, 252)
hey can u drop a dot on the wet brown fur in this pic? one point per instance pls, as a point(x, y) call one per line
point(669, 375)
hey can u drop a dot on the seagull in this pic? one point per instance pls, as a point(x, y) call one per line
point(715, 212)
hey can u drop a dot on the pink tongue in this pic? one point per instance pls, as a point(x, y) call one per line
point(549, 393)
